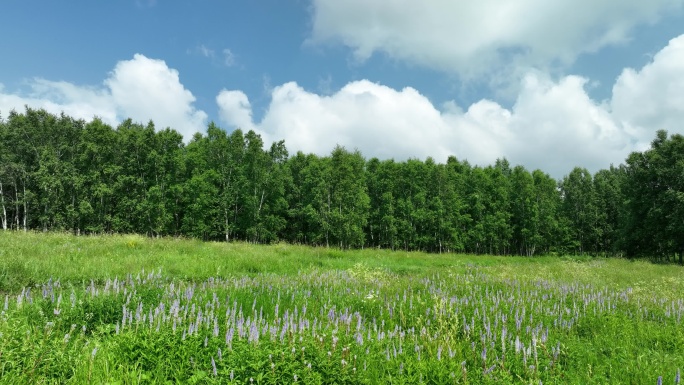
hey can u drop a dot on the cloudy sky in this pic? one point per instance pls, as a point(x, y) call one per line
point(546, 84)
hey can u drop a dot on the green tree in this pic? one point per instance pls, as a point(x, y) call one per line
point(381, 229)
point(349, 201)
point(524, 212)
point(265, 204)
point(548, 202)
point(654, 194)
point(579, 207)
point(99, 165)
point(609, 201)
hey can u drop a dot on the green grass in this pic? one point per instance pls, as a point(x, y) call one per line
point(372, 316)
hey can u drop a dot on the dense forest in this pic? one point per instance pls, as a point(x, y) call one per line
point(62, 174)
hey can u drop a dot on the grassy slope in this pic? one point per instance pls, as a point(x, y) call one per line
point(28, 258)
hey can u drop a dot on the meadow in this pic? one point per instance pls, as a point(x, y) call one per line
point(130, 309)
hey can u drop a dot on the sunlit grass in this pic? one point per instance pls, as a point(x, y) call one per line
point(77, 311)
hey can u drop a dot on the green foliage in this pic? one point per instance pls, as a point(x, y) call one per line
point(62, 174)
point(654, 194)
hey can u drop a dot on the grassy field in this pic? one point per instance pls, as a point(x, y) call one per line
point(129, 309)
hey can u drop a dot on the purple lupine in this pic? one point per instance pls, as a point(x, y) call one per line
point(677, 378)
point(253, 333)
point(229, 337)
point(213, 367)
point(660, 380)
point(556, 352)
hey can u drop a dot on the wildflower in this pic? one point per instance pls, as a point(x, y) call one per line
point(92, 355)
point(213, 366)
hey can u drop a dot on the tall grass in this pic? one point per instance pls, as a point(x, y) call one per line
point(128, 309)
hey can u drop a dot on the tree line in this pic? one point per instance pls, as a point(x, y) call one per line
point(62, 174)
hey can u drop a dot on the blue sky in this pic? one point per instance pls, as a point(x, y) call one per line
point(547, 85)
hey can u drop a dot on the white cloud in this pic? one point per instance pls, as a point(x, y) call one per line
point(146, 89)
point(140, 89)
point(225, 58)
point(229, 58)
point(234, 107)
point(553, 125)
point(556, 126)
point(653, 97)
point(205, 51)
point(476, 38)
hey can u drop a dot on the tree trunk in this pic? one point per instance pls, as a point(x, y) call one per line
point(4, 210)
point(225, 213)
point(25, 209)
point(16, 207)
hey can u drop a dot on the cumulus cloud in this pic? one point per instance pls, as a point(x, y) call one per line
point(553, 125)
point(652, 98)
point(474, 38)
point(57, 97)
point(234, 107)
point(140, 89)
point(146, 89)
